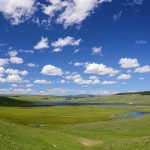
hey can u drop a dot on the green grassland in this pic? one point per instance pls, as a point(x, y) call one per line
point(23, 127)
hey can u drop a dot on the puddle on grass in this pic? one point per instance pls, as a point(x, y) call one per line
point(133, 114)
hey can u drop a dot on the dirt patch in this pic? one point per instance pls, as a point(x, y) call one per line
point(89, 142)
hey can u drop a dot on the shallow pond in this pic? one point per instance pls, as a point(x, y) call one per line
point(133, 114)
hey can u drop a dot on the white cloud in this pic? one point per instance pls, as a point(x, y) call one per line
point(76, 51)
point(23, 73)
point(109, 82)
point(3, 61)
point(55, 91)
point(117, 16)
point(76, 78)
point(13, 78)
point(29, 85)
point(76, 64)
point(62, 81)
point(124, 77)
point(11, 71)
point(55, 5)
point(16, 60)
point(138, 2)
point(144, 69)
point(57, 49)
point(99, 69)
point(43, 43)
point(13, 57)
point(96, 50)
point(66, 91)
point(2, 70)
point(134, 3)
point(14, 85)
point(66, 12)
point(51, 70)
point(17, 11)
point(77, 11)
point(32, 65)
point(2, 80)
point(62, 42)
point(42, 82)
point(18, 91)
point(129, 63)
point(12, 53)
point(26, 51)
point(140, 42)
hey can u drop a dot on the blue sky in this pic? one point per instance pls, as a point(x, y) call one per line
point(57, 47)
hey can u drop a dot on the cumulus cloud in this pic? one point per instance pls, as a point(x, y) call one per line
point(52, 70)
point(13, 75)
point(54, 6)
point(3, 61)
point(77, 11)
point(76, 78)
point(16, 60)
point(32, 65)
point(12, 53)
point(18, 91)
point(29, 85)
point(17, 11)
point(96, 50)
point(124, 77)
point(42, 82)
point(109, 82)
point(55, 91)
point(99, 69)
point(43, 43)
point(62, 42)
point(76, 64)
point(92, 80)
point(11, 71)
point(13, 78)
point(57, 49)
point(144, 69)
point(67, 12)
point(2, 80)
point(14, 85)
point(129, 63)
point(67, 91)
point(2, 70)
point(62, 81)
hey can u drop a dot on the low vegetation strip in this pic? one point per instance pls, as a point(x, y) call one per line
point(129, 93)
point(9, 102)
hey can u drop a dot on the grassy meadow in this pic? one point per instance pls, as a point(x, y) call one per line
point(27, 127)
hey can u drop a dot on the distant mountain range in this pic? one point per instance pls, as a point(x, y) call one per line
point(81, 96)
